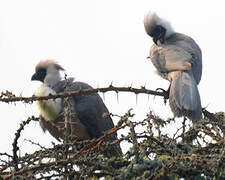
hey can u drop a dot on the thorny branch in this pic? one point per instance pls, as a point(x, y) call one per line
point(9, 97)
point(17, 135)
point(196, 152)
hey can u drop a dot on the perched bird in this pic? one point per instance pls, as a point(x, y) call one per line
point(178, 59)
point(87, 120)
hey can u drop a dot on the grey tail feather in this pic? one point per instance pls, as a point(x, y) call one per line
point(184, 97)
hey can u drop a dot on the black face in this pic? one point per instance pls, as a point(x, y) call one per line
point(39, 75)
point(159, 34)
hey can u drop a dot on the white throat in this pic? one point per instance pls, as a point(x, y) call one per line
point(49, 109)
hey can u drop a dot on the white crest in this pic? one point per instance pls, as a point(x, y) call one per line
point(151, 20)
point(53, 71)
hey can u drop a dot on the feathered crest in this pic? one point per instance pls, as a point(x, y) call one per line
point(151, 20)
point(46, 63)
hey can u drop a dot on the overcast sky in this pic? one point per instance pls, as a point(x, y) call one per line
point(99, 42)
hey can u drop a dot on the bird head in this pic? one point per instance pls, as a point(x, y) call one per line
point(158, 28)
point(48, 72)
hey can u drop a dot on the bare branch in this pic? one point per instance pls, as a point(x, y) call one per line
point(7, 98)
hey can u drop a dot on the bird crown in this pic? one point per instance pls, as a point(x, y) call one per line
point(46, 63)
point(151, 20)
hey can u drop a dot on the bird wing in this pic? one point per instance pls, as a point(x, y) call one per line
point(54, 130)
point(91, 112)
point(179, 52)
point(89, 108)
point(167, 58)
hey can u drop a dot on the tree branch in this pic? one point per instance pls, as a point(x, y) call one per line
point(8, 97)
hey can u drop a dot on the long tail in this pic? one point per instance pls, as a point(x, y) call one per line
point(184, 97)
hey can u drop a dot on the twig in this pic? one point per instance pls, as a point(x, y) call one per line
point(17, 135)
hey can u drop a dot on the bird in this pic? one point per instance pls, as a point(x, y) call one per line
point(87, 111)
point(178, 59)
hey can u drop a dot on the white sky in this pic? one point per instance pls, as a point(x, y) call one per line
point(100, 41)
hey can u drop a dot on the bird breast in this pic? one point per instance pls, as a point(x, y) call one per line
point(51, 108)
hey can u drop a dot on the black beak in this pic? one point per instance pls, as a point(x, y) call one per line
point(37, 77)
point(158, 38)
point(159, 35)
point(34, 77)
point(155, 39)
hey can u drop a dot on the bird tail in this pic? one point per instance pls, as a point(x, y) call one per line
point(184, 96)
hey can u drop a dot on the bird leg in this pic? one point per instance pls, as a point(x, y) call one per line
point(165, 92)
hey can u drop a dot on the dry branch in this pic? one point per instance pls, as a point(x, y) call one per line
point(197, 152)
point(8, 97)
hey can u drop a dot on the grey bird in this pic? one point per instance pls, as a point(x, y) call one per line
point(87, 111)
point(177, 58)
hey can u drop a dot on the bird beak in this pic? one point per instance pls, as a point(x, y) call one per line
point(155, 39)
point(159, 39)
point(34, 77)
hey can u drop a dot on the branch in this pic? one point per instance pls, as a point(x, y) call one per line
point(8, 99)
point(93, 145)
point(17, 135)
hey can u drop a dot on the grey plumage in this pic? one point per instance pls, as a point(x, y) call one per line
point(87, 110)
point(178, 59)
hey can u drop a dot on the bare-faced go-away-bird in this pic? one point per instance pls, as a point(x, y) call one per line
point(178, 59)
point(87, 111)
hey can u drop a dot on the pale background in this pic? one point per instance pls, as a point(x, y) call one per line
point(100, 41)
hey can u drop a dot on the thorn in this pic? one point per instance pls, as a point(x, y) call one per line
point(206, 106)
point(65, 76)
point(154, 97)
point(111, 85)
point(165, 100)
point(131, 85)
point(117, 97)
point(98, 87)
point(129, 112)
point(143, 87)
point(136, 99)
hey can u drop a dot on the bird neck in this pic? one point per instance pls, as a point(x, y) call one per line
point(52, 79)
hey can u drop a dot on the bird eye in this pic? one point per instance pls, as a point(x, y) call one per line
point(41, 72)
point(158, 30)
point(40, 75)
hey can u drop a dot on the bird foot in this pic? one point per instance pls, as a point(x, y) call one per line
point(166, 94)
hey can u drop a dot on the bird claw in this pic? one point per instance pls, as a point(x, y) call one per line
point(166, 94)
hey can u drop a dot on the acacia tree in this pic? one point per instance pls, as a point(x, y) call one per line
point(196, 152)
